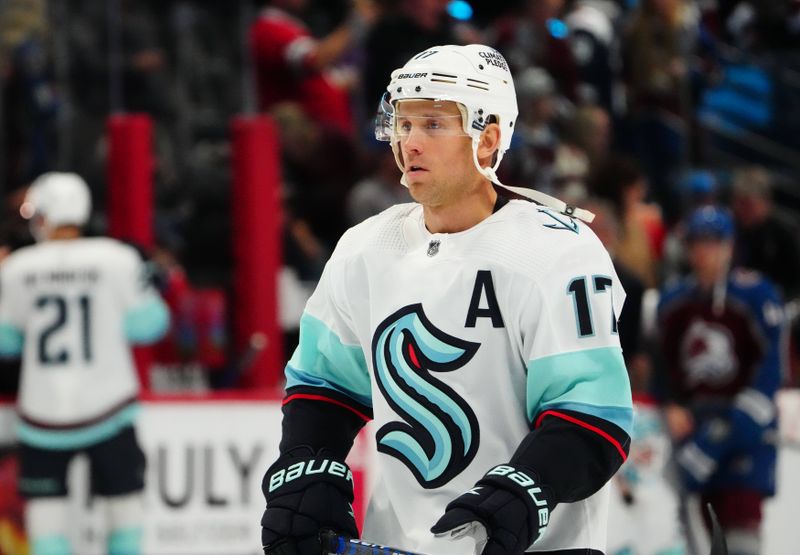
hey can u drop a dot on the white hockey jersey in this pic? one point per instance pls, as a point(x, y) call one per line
point(76, 305)
point(457, 342)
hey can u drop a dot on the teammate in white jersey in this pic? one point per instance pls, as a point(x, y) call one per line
point(478, 332)
point(71, 306)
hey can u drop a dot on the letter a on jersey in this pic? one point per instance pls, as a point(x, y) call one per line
point(484, 288)
point(439, 434)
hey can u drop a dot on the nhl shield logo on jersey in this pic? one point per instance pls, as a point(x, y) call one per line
point(438, 435)
point(433, 247)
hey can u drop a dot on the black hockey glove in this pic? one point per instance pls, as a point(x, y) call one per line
point(306, 494)
point(508, 503)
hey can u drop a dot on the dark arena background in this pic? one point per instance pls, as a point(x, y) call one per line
point(234, 161)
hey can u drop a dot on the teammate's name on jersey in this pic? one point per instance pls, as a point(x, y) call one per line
point(60, 277)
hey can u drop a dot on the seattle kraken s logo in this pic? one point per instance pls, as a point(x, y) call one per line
point(440, 435)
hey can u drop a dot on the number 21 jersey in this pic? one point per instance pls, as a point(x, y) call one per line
point(76, 305)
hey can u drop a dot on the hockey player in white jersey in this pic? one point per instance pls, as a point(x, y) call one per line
point(70, 306)
point(478, 332)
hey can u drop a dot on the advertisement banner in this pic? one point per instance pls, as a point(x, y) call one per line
point(205, 462)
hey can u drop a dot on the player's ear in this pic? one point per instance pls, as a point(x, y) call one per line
point(489, 143)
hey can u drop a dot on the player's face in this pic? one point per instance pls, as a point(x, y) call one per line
point(709, 258)
point(436, 153)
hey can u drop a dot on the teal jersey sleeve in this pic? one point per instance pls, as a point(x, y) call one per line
point(148, 321)
point(323, 360)
point(591, 381)
point(11, 341)
point(329, 355)
point(571, 344)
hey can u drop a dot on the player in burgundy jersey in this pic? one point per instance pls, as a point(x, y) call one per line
point(721, 340)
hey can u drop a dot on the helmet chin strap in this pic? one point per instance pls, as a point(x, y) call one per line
point(532, 194)
point(398, 158)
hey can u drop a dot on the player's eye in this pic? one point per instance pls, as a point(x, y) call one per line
point(434, 124)
point(404, 126)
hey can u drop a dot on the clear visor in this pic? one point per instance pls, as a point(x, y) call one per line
point(384, 119)
point(392, 126)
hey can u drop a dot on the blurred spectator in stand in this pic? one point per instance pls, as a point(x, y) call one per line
point(700, 188)
point(622, 183)
point(594, 43)
point(406, 28)
point(570, 173)
point(377, 191)
point(759, 25)
point(299, 140)
point(318, 171)
point(102, 81)
point(146, 75)
point(585, 142)
point(533, 35)
point(291, 65)
point(764, 241)
point(531, 161)
point(657, 44)
point(591, 130)
point(29, 101)
point(722, 349)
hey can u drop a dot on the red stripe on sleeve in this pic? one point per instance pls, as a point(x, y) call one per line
point(324, 399)
point(586, 425)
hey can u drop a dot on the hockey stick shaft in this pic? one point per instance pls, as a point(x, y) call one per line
point(718, 545)
point(335, 544)
point(342, 545)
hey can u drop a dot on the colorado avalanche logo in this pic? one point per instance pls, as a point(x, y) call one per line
point(708, 354)
point(439, 436)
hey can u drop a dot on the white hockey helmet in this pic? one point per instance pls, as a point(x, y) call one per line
point(477, 78)
point(59, 199)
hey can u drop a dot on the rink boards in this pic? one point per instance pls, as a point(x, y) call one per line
point(206, 458)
